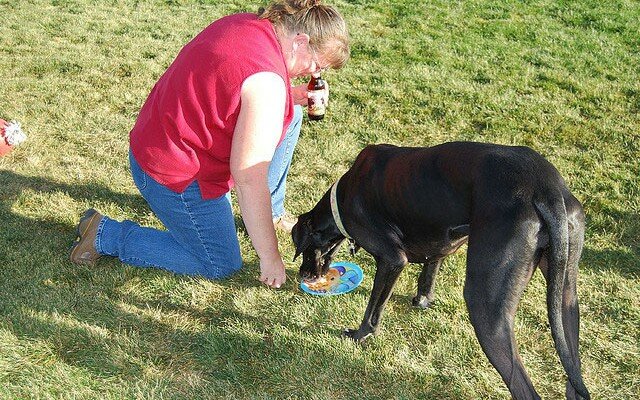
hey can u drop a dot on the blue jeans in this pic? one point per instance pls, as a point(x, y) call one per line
point(279, 167)
point(201, 235)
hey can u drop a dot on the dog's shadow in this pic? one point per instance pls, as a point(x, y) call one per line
point(624, 262)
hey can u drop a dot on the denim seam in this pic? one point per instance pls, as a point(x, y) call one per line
point(206, 250)
point(286, 153)
point(98, 243)
point(283, 165)
point(140, 261)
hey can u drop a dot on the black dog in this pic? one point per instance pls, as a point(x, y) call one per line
point(419, 205)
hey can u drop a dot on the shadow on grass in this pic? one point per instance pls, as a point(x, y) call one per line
point(79, 317)
point(625, 263)
point(86, 322)
point(53, 300)
point(17, 229)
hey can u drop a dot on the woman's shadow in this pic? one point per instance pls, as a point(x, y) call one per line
point(46, 297)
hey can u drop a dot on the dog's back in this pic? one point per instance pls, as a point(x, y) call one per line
point(484, 165)
point(446, 180)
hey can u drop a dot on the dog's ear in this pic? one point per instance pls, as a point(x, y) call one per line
point(301, 234)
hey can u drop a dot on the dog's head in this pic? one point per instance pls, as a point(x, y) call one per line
point(317, 238)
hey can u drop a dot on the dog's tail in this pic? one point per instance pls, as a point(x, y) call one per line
point(554, 215)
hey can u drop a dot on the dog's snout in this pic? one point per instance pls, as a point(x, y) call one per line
point(309, 275)
point(306, 272)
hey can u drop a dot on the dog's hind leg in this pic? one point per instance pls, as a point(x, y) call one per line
point(457, 236)
point(427, 283)
point(500, 263)
point(387, 274)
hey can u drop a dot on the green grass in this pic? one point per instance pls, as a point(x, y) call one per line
point(559, 76)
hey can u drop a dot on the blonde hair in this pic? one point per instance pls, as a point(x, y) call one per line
point(325, 26)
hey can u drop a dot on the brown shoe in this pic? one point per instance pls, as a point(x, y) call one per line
point(84, 250)
point(285, 222)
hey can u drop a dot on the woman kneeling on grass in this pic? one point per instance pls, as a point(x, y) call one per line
point(224, 112)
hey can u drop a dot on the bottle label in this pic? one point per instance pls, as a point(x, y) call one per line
point(316, 104)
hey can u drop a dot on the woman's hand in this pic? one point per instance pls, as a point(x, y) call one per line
point(300, 94)
point(272, 273)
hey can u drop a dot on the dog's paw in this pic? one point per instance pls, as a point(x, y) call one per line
point(348, 333)
point(421, 302)
point(355, 335)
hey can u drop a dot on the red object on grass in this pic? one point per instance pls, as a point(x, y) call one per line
point(4, 146)
point(10, 136)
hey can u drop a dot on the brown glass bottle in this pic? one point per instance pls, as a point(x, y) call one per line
point(317, 102)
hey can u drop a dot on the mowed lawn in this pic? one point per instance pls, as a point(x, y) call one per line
point(559, 76)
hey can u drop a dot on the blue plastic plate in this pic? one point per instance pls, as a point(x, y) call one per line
point(342, 277)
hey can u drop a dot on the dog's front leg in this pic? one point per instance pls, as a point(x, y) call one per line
point(427, 283)
point(386, 276)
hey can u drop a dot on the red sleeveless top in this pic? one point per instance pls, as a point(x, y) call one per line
point(184, 130)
